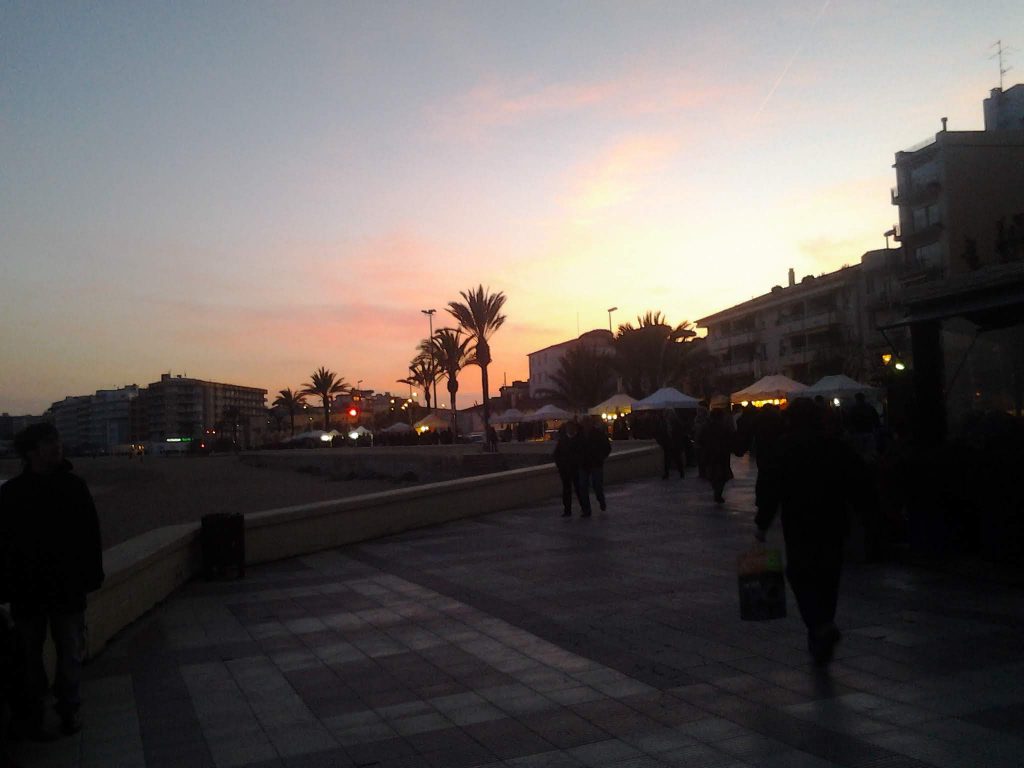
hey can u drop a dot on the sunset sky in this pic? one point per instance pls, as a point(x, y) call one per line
point(246, 191)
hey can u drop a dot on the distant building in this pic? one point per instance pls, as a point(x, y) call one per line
point(180, 408)
point(12, 425)
point(544, 363)
point(95, 423)
point(514, 395)
point(819, 326)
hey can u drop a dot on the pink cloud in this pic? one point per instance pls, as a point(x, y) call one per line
point(496, 103)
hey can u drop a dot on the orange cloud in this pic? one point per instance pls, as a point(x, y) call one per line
point(620, 172)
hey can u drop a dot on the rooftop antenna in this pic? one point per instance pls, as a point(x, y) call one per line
point(1001, 54)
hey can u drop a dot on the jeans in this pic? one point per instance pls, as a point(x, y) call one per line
point(572, 482)
point(68, 631)
point(593, 478)
point(672, 458)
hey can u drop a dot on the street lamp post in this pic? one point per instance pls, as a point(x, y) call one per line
point(430, 317)
point(610, 310)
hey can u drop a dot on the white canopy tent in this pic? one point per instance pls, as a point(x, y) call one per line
point(397, 427)
point(774, 387)
point(549, 413)
point(836, 386)
point(431, 421)
point(620, 403)
point(511, 416)
point(666, 397)
point(317, 435)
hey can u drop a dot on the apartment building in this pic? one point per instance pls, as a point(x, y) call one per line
point(180, 407)
point(960, 197)
point(544, 363)
point(97, 422)
point(821, 325)
point(960, 194)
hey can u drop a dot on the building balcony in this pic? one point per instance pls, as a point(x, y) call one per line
point(722, 342)
point(741, 367)
point(810, 322)
point(923, 236)
point(916, 195)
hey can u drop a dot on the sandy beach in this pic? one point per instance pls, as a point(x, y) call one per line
point(135, 496)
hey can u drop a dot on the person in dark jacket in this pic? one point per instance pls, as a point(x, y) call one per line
point(813, 479)
point(671, 435)
point(569, 461)
point(718, 443)
point(51, 558)
point(596, 447)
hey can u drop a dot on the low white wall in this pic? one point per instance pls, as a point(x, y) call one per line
point(144, 570)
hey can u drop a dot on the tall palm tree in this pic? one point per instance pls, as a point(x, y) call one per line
point(325, 384)
point(649, 355)
point(479, 315)
point(584, 378)
point(452, 352)
point(291, 403)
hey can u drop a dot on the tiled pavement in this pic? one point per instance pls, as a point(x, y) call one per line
point(522, 639)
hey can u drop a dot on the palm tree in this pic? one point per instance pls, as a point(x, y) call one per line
point(479, 315)
point(291, 402)
point(325, 384)
point(423, 372)
point(584, 378)
point(650, 355)
point(452, 352)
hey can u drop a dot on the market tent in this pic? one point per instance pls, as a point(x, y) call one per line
point(620, 403)
point(314, 434)
point(666, 397)
point(431, 421)
point(549, 413)
point(774, 387)
point(398, 426)
point(360, 431)
point(511, 416)
point(835, 386)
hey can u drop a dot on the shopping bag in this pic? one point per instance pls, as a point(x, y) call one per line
point(762, 584)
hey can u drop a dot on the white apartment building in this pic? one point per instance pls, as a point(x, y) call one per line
point(544, 363)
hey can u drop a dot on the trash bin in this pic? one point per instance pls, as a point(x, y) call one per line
point(223, 539)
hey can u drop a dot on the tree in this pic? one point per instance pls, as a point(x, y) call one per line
point(325, 384)
point(423, 371)
point(479, 315)
point(584, 378)
point(650, 355)
point(233, 415)
point(452, 352)
point(291, 403)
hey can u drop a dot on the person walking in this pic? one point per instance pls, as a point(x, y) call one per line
point(569, 462)
point(812, 480)
point(718, 443)
point(51, 557)
point(596, 447)
point(671, 436)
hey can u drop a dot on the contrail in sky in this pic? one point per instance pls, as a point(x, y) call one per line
point(796, 53)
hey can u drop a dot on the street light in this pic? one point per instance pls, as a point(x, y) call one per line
point(610, 310)
point(430, 317)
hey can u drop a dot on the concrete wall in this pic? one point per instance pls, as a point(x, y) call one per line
point(143, 571)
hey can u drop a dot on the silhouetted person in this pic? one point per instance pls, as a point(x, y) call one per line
point(700, 423)
point(670, 434)
point(492, 439)
point(767, 432)
point(569, 461)
point(718, 444)
point(52, 557)
point(596, 447)
point(813, 479)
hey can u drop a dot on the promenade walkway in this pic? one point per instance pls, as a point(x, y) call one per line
point(524, 639)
